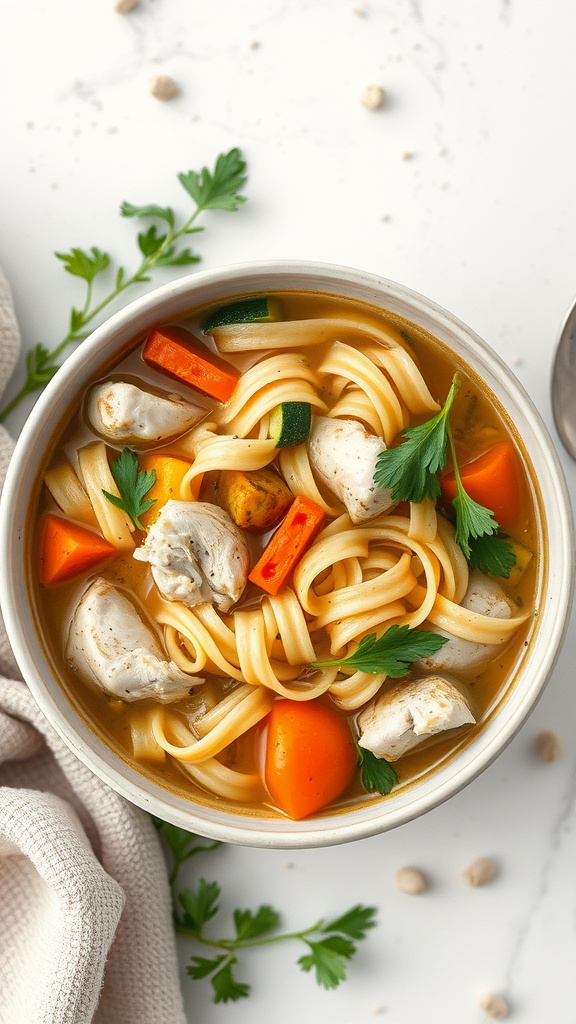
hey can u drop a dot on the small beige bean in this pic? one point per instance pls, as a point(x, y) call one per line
point(162, 87)
point(480, 872)
point(411, 881)
point(373, 97)
point(494, 1006)
point(125, 6)
point(548, 745)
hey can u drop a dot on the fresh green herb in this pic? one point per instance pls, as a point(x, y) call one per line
point(391, 652)
point(159, 247)
point(182, 845)
point(330, 944)
point(410, 469)
point(494, 554)
point(133, 484)
point(377, 775)
point(477, 531)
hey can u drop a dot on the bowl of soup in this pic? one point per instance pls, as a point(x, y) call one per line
point(287, 554)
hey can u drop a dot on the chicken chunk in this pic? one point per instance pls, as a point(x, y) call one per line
point(465, 658)
point(110, 645)
point(412, 710)
point(197, 554)
point(343, 456)
point(122, 413)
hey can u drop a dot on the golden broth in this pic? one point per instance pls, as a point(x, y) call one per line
point(477, 422)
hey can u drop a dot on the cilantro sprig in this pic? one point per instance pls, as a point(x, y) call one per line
point(160, 245)
point(330, 943)
point(133, 484)
point(392, 652)
point(411, 471)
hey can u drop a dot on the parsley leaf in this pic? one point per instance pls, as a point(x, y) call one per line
point(217, 190)
point(226, 988)
point(200, 967)
point(477, 531)
point(81, 263)
point(355, 922)
point(493, 554)
point(377, 775)
point(133, 484)
point(391, 652)
point(249, 925)
point(182, 845)
point(200, 905)
point(410, 469)
point(165, 213)
point(328, 959)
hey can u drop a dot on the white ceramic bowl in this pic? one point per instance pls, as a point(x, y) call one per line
point(116, 337)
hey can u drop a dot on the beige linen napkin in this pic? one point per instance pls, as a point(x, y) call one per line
point(85, 920)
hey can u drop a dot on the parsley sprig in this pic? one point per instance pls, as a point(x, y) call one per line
point(160, 245)
point(133, 484)
point(477, 531)
point(411, 471)
point(392, 652)
point(331, 943)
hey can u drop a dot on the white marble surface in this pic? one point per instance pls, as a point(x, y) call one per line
point(463, 187)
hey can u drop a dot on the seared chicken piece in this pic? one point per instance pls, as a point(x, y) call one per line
point(123, 413)
point(412, 710)
point(110, 645)
point(197, 554)
point(465, 658)
point(343, 456)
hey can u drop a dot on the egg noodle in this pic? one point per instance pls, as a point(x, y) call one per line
point(354, 579)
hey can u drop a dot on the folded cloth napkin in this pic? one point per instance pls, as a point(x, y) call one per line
point(85, 920)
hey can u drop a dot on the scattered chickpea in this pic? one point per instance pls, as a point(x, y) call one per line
point(125, 6)
point(162, 87)
point(494, 1006)
point(411, 881)
point(373, 97)
point(480, 872)
point(548, 745)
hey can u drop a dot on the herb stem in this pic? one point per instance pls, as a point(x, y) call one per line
point(232, 945)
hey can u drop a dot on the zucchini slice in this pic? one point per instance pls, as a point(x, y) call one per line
point(290, 423)
point(257, 307)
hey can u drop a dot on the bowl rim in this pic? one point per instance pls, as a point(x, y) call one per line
point(253, 830)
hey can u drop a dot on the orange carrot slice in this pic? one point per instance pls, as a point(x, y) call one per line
point(310, 756)
point(491, 480)
point(287, 545)
point(170, 471)
point(176, 352)
point(68, 549)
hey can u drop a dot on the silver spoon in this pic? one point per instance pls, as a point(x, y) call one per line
point(563, 386)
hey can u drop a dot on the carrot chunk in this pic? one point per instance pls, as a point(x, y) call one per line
point(170, 471)
point(68, 549)
point(491, 480)
point(176, 352)
point(310, 756)
point(287, 545)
